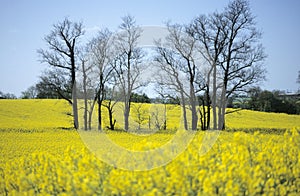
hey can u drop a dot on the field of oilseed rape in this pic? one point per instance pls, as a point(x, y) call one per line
point(41, 155)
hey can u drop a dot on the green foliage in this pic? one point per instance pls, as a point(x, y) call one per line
point(267, 101)
point(140, 98)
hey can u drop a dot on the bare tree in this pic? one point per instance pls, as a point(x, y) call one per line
point(160, 120)
point(179, 63)
point(127, 62)
point(141, 114)
point(169, 77)
point(88, 105)
point(29, 93)
point(208, 30)
point(242, 59)
point(62, 53)
point(158, 114)
point(230, 44)
point(100, 53)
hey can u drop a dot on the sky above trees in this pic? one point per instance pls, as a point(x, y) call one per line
point(25, 23)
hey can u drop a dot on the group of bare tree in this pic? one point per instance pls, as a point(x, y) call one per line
point(106, 65)
point(203, 63)
point(211, 58)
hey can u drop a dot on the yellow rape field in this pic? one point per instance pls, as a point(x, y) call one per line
point(34, 114)
point(38, 157)
point(42, 113)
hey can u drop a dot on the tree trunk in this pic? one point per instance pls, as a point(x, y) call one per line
point(193, 107)
point(91, 115)
point(194, 116)
point(185, 123)
point(128, 93)
point(74, 106)
point(149, 122)
point(126, 117)
point(111, 122)
point(85, 111)
point(100, 100)
point(214, 97)
point(90, 120)
point(165, 117)
point(208, 102)
point(222, 109)
point(85, 96)
point(127, 111)
point(99, 113)
point(202, 115)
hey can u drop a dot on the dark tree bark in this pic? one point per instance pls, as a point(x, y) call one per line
point(111, 99)
point(206, 107)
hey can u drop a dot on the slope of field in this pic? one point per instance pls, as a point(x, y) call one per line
point(51, 161)
point(35, 114)
point(255, 119)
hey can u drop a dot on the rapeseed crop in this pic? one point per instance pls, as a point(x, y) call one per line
point(40, 158)
point(34, 114)
point(39, 114)
point(57, 162)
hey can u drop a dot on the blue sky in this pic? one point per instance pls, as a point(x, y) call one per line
point(24, 23)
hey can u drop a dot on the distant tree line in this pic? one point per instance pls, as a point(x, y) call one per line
point(7, 95)
point(268, 101)
point(143, 98)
